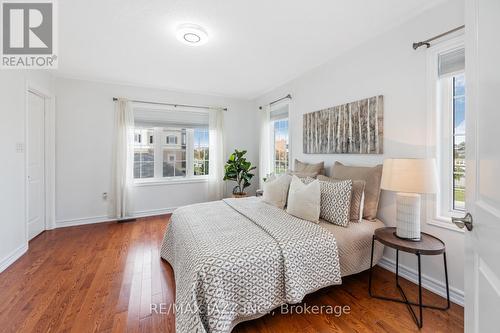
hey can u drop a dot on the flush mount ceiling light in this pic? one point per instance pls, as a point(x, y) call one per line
point(191, 34)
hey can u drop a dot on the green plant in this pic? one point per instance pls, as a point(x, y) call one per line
point(238, 169)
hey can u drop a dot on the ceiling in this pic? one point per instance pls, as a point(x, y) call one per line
point(254, 46)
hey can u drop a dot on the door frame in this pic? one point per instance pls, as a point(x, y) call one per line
point(49, 154)
point(471, 277)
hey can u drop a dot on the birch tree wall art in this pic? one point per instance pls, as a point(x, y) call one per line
point(352, 128)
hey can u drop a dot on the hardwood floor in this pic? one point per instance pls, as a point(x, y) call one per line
point(104, 278)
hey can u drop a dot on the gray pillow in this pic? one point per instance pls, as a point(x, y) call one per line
point(302, 175)
point(303, 167)
point(372, 177)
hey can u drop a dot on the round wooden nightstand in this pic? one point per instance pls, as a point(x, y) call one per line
point(428, 245)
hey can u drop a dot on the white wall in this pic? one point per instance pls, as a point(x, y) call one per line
point(84, 138)
point(389, 66)
point(13, 242)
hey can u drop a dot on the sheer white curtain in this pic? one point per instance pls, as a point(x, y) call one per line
point(123, 158)
point(216, 153)
point(265, 141)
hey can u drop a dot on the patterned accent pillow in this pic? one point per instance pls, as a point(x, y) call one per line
point(357, 196)
point(335, 201)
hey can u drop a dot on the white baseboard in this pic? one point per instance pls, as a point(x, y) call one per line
point(436, 286)
point(12, 257)
point(100, 219)
point(82, 221)
point(153, 212)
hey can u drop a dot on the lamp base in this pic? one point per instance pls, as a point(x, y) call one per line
point(408, 216)
point(408, 239)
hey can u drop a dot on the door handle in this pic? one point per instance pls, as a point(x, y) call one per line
point(462, 222)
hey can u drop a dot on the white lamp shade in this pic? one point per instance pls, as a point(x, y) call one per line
point(410, 175)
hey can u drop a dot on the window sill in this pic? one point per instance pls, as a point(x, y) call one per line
point(445, 223)
point(172, 181)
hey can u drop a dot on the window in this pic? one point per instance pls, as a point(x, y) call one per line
point(280, 140)
point(171, 140)
point(201, 151)
point(144, 153)
point(459, 142)
point(170, 144)
point(174, 155)
point(449, 83)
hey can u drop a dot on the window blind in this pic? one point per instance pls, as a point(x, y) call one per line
point(159, 117)
point(279, 113)
point(451, 62)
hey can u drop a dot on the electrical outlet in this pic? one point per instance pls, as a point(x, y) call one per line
point(104, 196)
point(20, 147)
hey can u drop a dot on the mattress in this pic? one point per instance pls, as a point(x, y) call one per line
point(354, 245)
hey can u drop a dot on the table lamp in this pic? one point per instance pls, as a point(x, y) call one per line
point(409, 178)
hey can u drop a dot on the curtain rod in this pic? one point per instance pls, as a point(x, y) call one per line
point(176, 105)
point(278, 100)
point(428, 41)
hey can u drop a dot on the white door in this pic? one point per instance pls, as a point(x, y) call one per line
point(482, 244)
point(36, 165)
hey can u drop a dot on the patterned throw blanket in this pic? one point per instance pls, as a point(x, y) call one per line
point(238, 259)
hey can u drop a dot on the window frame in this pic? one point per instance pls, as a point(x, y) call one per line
point(271, 135)
point(159, 144)
point(440, 136)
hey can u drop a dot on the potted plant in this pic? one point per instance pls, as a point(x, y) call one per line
point(238, 169)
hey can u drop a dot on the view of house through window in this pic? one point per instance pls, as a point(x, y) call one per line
point(174, 152)
point(144, 158)
point(280, 140)
point(201, 151)
point(280, 146)
point(165, 152)
point(459, 142)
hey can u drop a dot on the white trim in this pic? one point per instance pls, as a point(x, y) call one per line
point(154, 212)
point(431, 284)
point(105, 218)
point(49, 153)
point(84, 221)
point(445, 223)
point(170, 181)
point(13, 256)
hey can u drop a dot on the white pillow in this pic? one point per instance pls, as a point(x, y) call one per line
point(276, 190)
point(304, 201)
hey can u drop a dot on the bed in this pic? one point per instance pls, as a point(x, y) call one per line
point(354, 245)
point(237, 259)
